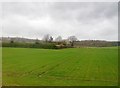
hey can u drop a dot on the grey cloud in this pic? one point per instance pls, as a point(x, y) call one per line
point(84, 20)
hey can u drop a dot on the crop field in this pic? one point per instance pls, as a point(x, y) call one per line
point(64, 67)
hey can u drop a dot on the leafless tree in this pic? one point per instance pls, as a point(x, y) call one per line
point(72, 39)
point(51, 39)
point(48, 38)
point(58, 39)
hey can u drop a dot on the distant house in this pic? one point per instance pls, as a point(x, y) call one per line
point(67, 42)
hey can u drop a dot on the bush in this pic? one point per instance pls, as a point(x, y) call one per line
point(30, 45)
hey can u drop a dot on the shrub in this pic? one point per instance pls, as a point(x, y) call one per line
point(30, 45)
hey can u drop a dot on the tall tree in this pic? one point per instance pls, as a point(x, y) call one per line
point(48, 38)
point(58, 39)
point(72, 39)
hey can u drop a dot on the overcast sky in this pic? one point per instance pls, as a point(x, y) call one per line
point(81, 19)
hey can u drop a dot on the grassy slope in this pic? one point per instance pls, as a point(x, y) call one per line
point(81, 66)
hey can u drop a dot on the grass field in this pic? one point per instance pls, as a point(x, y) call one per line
point(65, 67)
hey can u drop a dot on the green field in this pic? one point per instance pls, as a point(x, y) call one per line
point(64, 67)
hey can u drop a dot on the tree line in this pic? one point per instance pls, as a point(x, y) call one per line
point(48, 38)
point(48, 43)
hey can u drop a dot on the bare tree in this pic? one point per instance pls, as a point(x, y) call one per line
point(58, 39)
point(72, 39)
point(48, 38)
